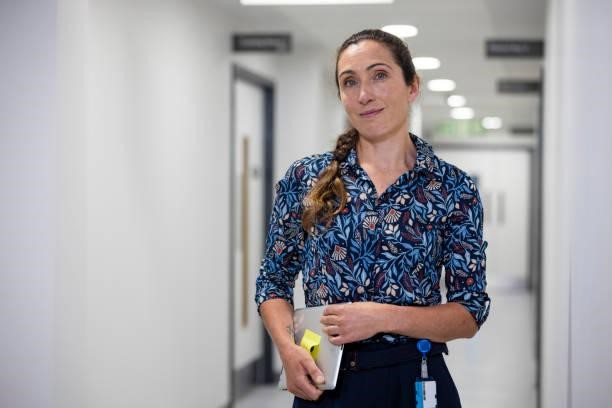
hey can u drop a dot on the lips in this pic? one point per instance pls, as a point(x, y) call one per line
point(371, 113)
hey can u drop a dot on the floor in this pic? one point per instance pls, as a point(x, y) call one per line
point(496, 368)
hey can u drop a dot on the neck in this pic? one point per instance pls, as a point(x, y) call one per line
point(398, 153)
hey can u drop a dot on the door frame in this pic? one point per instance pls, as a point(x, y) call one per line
point(240, 382)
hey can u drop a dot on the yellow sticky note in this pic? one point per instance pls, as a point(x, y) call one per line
point(311, 341)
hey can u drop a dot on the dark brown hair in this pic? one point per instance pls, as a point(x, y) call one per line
point(328, 196)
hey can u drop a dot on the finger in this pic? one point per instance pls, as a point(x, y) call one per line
point(317, 394)
point(332, 310)
point(330, 320)
point(338, 340)
point(314, 393)
point(315, 374)
point(307, 389)
point(299, 392)
point(331, 330)
point(296, 391)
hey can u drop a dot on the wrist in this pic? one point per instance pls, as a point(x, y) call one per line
point(382, 317)
point(286, 349)
point(395, 318)
point(286, 342)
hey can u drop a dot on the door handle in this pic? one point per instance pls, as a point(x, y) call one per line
point(244, 210)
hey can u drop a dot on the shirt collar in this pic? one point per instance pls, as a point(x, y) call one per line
point(425, 159)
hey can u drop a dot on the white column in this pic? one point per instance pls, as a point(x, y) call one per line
point(577, 328)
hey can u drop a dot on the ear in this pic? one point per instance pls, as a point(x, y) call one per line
point(415, 88)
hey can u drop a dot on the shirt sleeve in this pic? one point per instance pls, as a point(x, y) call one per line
point(464, 251)
point(283, 258)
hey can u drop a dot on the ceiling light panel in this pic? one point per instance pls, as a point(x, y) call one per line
point(462, 113)
point(492, 122)
point(441, 85)
point(401, 30)
point(425, 63)
point(309, 2)
point(456, 101)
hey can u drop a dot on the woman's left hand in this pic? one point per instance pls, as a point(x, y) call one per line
point(350, 322)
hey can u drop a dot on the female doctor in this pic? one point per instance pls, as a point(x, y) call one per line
point(373, 223)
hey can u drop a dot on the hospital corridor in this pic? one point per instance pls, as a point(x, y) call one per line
point(173, 171)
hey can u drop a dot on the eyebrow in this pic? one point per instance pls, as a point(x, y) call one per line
point(350, 71)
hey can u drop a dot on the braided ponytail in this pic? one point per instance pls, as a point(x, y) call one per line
point(328, 196)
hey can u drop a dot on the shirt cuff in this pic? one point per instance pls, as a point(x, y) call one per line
point(477, 303)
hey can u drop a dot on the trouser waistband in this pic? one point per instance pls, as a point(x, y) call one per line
point(366, 356)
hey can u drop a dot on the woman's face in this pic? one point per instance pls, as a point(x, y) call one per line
point(373, 92)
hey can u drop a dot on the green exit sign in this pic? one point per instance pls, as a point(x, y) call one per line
point(462, 127)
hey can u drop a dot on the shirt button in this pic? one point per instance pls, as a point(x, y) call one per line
point(352, 364)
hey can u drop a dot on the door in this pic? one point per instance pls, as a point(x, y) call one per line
point(503, 179)
point(251, 189)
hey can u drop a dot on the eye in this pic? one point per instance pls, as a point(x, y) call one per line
point(380, 75)
point(349, 82)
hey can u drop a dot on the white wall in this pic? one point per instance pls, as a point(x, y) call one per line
point(27, 204)
point(144, 261)
point(577, 328)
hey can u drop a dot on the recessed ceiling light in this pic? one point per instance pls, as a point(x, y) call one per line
point(309, 2)
point(455, 101)
point(423, 63)
point(462, 113)
point(491, 122)
point(441, 85)
point(401, 31)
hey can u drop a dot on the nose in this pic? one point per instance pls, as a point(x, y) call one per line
point(365, 96)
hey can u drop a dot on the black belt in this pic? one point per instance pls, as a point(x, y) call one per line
point(358, 356)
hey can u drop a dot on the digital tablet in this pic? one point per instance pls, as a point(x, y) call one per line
point(329, 355)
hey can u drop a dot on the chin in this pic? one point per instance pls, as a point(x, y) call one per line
point(372, 134)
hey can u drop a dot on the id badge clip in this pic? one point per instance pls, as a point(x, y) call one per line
point(425, 387)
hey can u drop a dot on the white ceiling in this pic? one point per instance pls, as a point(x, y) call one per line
point(452, 30)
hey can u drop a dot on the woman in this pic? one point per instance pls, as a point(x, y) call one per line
point(373, 223)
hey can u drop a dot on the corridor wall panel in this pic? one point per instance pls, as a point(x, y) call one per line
point(141, 313)
point(28, 201)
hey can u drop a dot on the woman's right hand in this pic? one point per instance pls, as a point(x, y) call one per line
point(301, 372)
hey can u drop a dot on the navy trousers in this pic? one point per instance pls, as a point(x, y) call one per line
point(383, 376)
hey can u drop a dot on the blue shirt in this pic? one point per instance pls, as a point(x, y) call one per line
point(389, 248)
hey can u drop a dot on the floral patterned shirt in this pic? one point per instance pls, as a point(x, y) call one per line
point(389, 248)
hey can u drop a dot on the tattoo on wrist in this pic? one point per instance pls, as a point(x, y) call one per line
point(290, 331)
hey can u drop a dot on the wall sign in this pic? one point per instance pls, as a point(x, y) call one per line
point(522, 130)
point(518, 86)
point(279, 43)
point(515, 48)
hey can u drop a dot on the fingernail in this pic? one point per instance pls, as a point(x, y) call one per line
point(320, 380)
